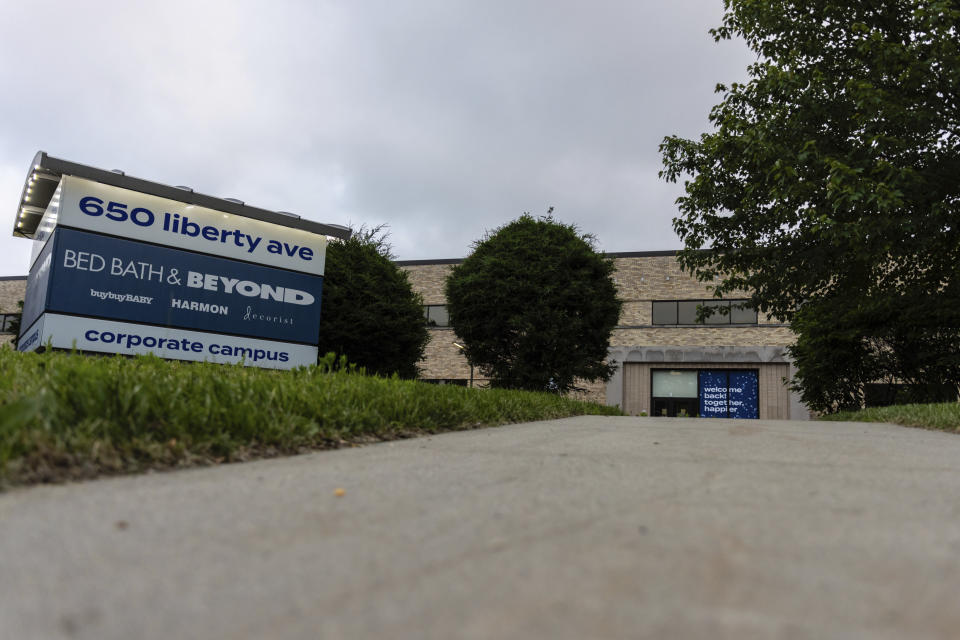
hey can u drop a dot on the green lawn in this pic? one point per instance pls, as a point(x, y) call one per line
point(942, 417)
point(67, 416)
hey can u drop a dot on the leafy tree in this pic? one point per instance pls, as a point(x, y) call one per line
point(831, 175)
point(843, 345)
point(370, 313)
point(833, 358)
point(534, 305)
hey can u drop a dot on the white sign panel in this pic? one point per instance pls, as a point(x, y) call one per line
point(129, 214)
point(109, 336)
point(31, 340)
point(46, 226)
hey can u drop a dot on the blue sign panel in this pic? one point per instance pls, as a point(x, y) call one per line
point(713, 394)
point(107, 277)
point(729, 394)
point(744, 395)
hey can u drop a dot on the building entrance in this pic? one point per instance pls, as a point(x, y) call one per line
point(706, 393)
point(675, 393)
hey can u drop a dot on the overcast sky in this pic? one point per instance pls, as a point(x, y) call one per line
point(439, 118)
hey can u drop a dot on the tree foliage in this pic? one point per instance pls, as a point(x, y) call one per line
point(844, 345)
point(15, 324)
point(370, 313)
point(535, 305)
point(831, 176)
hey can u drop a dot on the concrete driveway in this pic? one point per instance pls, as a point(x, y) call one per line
point(579, 528)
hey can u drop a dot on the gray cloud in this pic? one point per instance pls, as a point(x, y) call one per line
point(443, 119)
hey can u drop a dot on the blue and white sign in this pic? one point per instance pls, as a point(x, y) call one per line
point(107, 336)
point(102, 208)
point(30, 340)
point(713, 394)
point(120, 271)
point(38, 286)
point(100, 276)
point(744, 395)
point(729, 394)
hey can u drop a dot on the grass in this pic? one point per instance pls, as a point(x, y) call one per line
point(67, 416)
point(941, 417)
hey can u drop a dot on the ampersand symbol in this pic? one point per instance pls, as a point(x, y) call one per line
point(172, 278)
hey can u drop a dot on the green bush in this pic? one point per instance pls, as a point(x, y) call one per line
point(942, 416)
point(535, 305)
point(370, 312)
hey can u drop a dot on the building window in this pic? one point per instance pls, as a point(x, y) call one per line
point(665, 312)
point(687, 311)
point(885, 394)
point(720, 309)
point(742, 315)
point(684, 312)
point(675, 383)
point(436, 315)
point(8, 322)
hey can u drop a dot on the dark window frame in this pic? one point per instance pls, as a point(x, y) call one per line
point(715, 320)
point(431, 322)
point(665, 308)
point(5, 320)
point(458, 382)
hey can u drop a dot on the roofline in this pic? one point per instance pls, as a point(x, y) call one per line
point(56, 167)
point(621, 254)
point(413, 263)
point(8, 278)
point(644, 254)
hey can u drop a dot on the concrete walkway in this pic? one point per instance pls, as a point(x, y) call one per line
point(578, 528)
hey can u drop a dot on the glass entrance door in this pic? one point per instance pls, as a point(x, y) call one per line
point(675, 407)
point(674, 393)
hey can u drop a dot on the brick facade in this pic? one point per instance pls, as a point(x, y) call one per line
point(641, 278)
point(11, 292)
point(428, 278)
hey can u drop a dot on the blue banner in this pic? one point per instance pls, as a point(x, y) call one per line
point(744, 395)
point(107, 277)
point(713, 394)
point(729, 394)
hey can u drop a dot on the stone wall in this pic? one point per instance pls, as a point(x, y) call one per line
point(428, 279)
point(640, 279)
point(11, 292)
point(442, 360)
point(758, 335)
